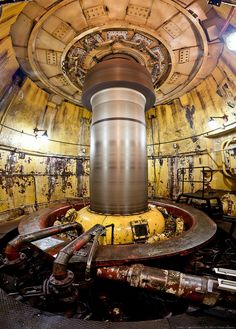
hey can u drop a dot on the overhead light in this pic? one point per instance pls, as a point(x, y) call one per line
point(230, 41)
point(44, 134)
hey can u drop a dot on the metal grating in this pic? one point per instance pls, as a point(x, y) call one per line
point(172, 29)
point(117, 34)
point(15, 315)
point(61, 30)
point(52, 57)
point(184, 55)
point(94, 12)
point(138, 11)
point(78, 53)
point(141, 38)
point(98, 37)
point(157, 50)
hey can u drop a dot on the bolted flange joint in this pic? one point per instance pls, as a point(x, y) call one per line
point(61, 289)
point(19, 261)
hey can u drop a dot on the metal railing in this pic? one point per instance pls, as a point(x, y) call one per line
point(182, 172)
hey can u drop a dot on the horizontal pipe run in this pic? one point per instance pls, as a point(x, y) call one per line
point(13, 247)
point(61, 262)
point(196, 288)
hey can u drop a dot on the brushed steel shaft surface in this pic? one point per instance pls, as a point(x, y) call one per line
point(118, 160)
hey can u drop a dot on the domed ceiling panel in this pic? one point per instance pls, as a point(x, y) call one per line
point(56, 43)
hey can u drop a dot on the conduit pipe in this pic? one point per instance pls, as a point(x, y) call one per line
point(13, 247)
point(196, 288)
point(61, 262)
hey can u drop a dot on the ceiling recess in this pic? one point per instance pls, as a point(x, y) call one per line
point(56, 43)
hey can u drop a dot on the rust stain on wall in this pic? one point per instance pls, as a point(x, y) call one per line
point(189, 112)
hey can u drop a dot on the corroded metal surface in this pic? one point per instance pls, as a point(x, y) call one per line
point(196, 288)
point(13, 247)
point(63, 257)
point(200, 230)
point(45, 218)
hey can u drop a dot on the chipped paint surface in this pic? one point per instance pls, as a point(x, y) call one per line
point(180, 135)
point(29, 179)
point(127, 229)
point(155, 279)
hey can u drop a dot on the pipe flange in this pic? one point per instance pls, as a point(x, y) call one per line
point(64, 282)
point(15, 262)
point(63, 289)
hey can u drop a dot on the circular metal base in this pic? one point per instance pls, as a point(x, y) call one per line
point(201, 229)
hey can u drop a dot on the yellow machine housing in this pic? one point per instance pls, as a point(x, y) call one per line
point(127, 229)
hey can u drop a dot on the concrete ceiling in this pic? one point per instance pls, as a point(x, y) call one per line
point(57, 42)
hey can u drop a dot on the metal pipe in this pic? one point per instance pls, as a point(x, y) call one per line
point(13, 247)
point(118, 91)
point(60, 263)
point(227, 21)
point(91, 256)
point(201, 289)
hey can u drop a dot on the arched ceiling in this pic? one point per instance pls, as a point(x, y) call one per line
point(57, 42)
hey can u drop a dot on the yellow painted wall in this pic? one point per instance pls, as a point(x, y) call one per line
point(33, 170)
point(181, 134)
point(27, 179)
point(59, 168)
point(67, 125)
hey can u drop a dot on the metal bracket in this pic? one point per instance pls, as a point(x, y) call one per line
point(227, 285)
point(225, 271)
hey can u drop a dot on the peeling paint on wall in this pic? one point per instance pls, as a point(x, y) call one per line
point(51, 179)
point(185, 123)
point(189, 112)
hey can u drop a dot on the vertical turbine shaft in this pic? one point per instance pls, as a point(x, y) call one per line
point(118, 91)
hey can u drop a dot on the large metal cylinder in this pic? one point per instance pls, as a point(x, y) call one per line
point(118, 165)
point(117, 92)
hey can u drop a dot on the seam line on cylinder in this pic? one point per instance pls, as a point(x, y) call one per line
point(119, 118)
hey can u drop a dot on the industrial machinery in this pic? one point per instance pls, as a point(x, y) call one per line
point(118, 257)
point(119, 237)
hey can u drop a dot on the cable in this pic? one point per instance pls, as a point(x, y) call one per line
point(51, 140)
